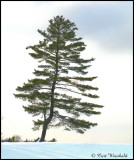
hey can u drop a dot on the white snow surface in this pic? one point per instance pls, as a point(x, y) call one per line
point(57, 150)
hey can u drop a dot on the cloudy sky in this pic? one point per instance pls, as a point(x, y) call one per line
point(106, 28)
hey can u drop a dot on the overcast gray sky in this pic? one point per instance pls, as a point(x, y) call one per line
point(106, 28)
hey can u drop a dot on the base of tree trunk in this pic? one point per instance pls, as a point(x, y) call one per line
point(42, 139)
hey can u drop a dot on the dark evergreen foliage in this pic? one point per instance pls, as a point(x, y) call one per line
point(7, 140)
point(59, 55)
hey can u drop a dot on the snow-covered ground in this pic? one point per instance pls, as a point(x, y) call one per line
point(57, 150)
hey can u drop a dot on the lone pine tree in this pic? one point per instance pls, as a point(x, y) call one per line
point(57, 87)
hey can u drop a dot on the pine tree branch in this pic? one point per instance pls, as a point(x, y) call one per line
point(44, 88)
point(83, 78)
point(66, 85)
point(81, 87)
point(88, 95)
point(68, 90)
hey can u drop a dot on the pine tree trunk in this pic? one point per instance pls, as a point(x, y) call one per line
point(48, 120)
point(43, 133)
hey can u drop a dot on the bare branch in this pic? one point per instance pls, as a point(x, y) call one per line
point(69, 90)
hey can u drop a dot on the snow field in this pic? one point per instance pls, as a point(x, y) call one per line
point(56, 150)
